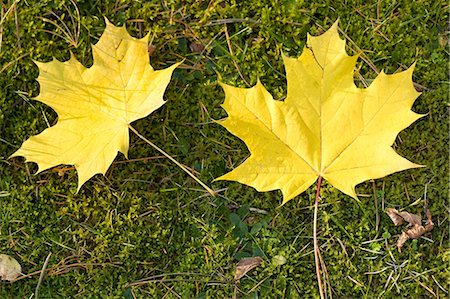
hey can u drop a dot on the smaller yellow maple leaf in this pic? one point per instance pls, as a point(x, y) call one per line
point(96, 105)
point(326, 127)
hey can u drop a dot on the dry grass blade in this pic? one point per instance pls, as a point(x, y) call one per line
point(439, 285)
point(70, 35)
point(41, 276)
point(328, 292)
point(67, 264)
point(167, 277)
point(230, 21)
point(8, 11)
point(7, 65)
point(3, 15)
point(227, 36)
point(377, 214)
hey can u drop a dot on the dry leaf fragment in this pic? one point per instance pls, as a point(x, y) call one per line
point(395, 217)
point(399, 217)
point(245, 265)
point(10, 269)
point(196, 47)
point(416, 231)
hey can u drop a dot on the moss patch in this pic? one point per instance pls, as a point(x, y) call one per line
point(148, 220)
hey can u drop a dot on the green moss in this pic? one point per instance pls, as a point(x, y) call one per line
point(146, 219)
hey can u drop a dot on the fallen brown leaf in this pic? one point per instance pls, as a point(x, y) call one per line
point(245, 265)
point(395, 217)
point(399, 217)
point(10, 269)
point(414, 221)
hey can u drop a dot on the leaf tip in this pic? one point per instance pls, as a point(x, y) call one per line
point(108, 23)
point(351, 192)
point(285, 201)
point(15, 154)
point(177, 64)
point(221, 178)
point(413, 66)
point(226, 88)
point(335, 25)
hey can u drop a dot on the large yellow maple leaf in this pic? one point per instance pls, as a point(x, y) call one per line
point(96, 105)
point(326, 127)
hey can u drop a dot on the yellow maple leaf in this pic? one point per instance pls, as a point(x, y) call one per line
point(326, 127)
point(96, 105)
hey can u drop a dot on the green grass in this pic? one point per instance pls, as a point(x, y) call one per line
point(146, 230)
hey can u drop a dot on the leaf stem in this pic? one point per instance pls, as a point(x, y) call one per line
point(316, 244)
point(212, 192)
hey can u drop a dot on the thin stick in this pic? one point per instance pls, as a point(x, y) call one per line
point(212, 192)
point(316, 244)
point(41, 277)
